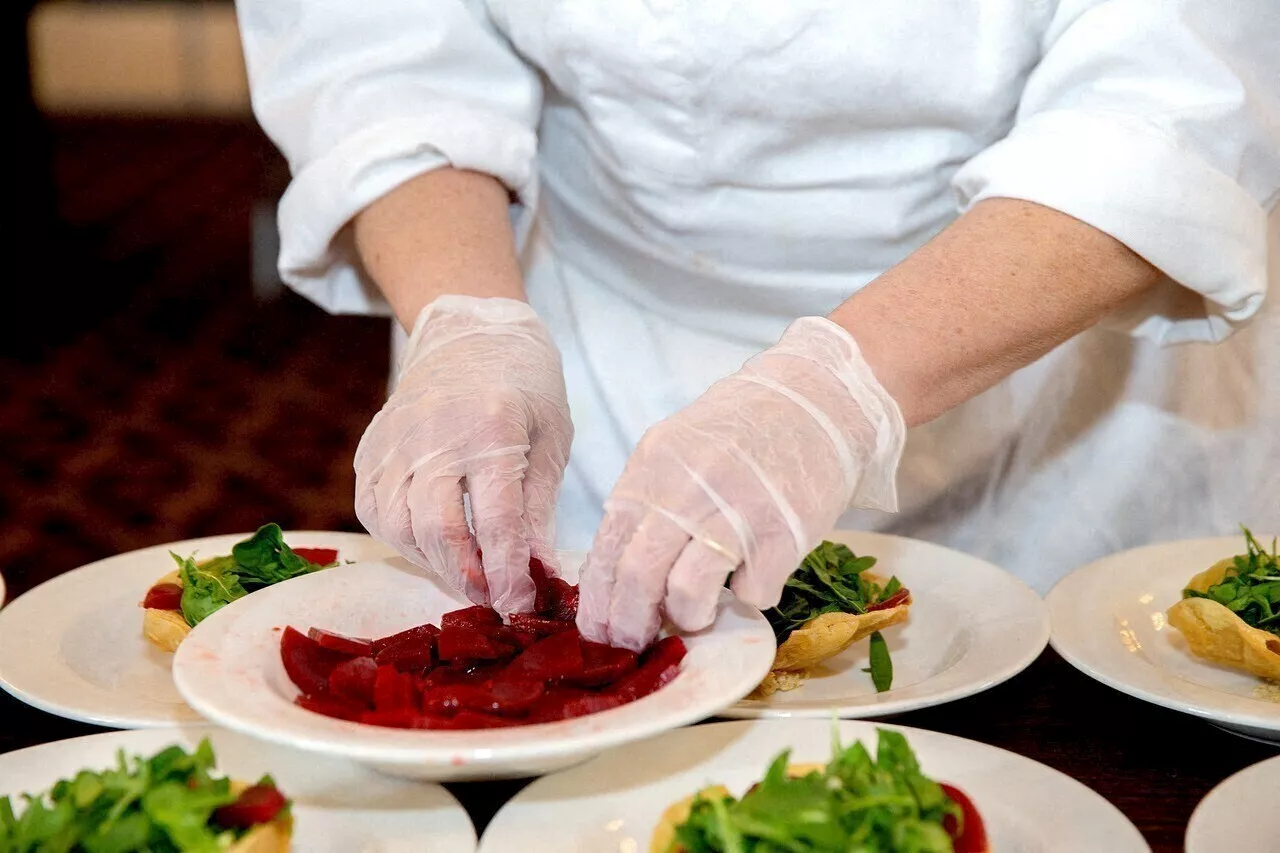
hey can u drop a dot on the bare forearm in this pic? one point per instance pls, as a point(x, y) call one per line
point(999, 288)
point(445, 232)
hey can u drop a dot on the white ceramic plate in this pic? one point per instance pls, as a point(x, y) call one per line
point(73, 646)
point(1109, 622)
point(338, 807)
point(972, 626)
point(613, 802)
point(1239, 814)
point(229, 669)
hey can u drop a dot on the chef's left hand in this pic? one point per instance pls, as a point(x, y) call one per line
point(744, 480)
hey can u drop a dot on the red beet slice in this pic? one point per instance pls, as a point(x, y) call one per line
point(462, 672)
point(668, 650)
point(413, 653)
point(902, 596)
point(658, 666)
point(354, 646)
point(330, 707)
point(502, 698)
point(564, 600)
point(353, 680)
point(540, 625)
point(603, 664)
point(319, 556)
point(972, 836)
point(393, 690)
point(307, 663)
point(542, 594)
point(399, 718)
point(565, 704)
point(459, 643)
point(418, 633)
point(470, 617)
point(164, 596)
point(557, 656)
point(256, 804)
point(475, 720)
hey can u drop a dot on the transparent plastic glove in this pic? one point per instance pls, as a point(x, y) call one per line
point(479, 407)
point(747, 480)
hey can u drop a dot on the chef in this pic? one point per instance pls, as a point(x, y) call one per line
point(986, 272)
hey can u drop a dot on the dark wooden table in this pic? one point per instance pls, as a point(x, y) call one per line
point(1155, 765)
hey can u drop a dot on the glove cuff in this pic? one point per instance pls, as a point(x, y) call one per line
point(830, 346)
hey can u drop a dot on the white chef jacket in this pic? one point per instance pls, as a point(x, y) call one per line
point(692, 175)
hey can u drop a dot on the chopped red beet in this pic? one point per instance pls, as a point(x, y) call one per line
point(418, 632)
point(557, 656)
point(256, 804)
point(470, 617)
point(353, 680)
point(319, 556)
point(164, 596)
point(563, 704)
point(394, 690)
point(414, 653)
point(354, 646)
point(902, 596)
point(330, 707)
point(307, 663)
point(466, 644)
point(476, 672)
point(602, 664)
point(540, 625)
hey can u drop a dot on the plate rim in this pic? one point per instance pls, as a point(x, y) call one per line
point(203, 729)
point(1015, 665)
point(442, 749)
point(1221, 791)
point(120, 720)
point(1076, 653)
point(532, 789)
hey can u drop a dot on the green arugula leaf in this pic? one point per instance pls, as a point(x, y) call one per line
point(264, 558)
point(881, 668)
point(1251, 588)
point(207, 587)
point(856, 803)
point(163, 804)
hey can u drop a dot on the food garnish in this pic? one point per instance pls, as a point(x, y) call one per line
point(473, 671)
point(829, 603)
point(1230, 613)
point(183, 598)
point(884, 804)
point(171, 802)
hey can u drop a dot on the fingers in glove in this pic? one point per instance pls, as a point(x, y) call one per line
point(640, 580)
point(541, 488)
point(761, 578)
point(595, 582)
point(441, 532)
point(494, 484)
point(698, 576)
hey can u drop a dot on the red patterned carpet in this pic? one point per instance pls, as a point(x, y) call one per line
point(151, 397)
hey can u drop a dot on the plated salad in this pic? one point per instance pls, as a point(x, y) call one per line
point(856, 802)
point(831, 602)
point(172, 802)
point(1230, 613)
point(474, 671)
point(177, 602)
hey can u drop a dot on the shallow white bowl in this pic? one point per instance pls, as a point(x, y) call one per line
point(229, 669)
point(1239, 814)
point(972, 626)
point(614, 802)
point(1109, 622)
point(338, 807)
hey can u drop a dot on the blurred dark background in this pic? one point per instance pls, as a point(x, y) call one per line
point(156, 380)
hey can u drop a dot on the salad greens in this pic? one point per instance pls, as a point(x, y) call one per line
point(258, 561)
point(856, 804)
point(1251, 588)
point(830, 580)
point(163, 804)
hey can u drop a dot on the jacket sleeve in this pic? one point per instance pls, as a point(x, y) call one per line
point(363, 95)
point(1157, 122)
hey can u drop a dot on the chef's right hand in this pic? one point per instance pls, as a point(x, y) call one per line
point(479, 407)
